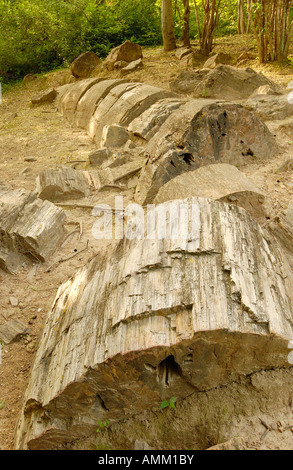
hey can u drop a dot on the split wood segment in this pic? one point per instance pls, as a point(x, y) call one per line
point(177, 134)
point(158, 318)
point(29, 228)
point(155, 319)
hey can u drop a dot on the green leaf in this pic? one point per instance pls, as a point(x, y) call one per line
point(164, 404)
point(2, 404)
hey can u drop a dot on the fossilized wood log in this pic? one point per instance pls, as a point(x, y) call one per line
point(200, 133)
point(155, 319)
point(270, 108)
point(178, 135)
point(95, 103)
point(282, 227)
point(28, 227)
point(221, 182)
point(87, 104)
point(66, 183)
point(149, 122)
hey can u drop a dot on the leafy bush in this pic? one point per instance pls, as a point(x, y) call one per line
point(39, 35)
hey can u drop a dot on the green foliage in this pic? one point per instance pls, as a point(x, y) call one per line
point(2, 404)
point(40, 35)
point(103, 426)
point(168, 404)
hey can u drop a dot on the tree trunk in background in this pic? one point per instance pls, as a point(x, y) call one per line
point(212, 10)
point(272, 28)
point(241, 18)
point(186, 17)
point(168, 30)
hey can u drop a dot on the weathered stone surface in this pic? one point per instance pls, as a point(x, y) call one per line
point(282, 227)
point(95, 103)
point(28, 227)
point(234, 444)
point(114, 136)
point(148, 123)
point(187, 81)
point(231, 83)
point(66, 183)
point(221, 182)
point(47, 96)
point(10, 261)
point(203, 132)
point(84, 64)
point(127, 52)
point(270, 108)
point(134, 65)
point(100, 156)
point(12, 330)
point(87, 104)
point(217, 59)
point(183, 52)
point(71, 95)
point(128, 169)
point(224, 82)
point(120, 64)
point(264, 90)
point(4, 186)
point(122, 105)
point(155, 319)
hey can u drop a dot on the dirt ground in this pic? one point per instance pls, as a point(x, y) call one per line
point(42, 134)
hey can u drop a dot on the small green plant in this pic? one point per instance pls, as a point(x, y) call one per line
point(2, 404)
point(205, 94)
point(168, 404)
point(103, 426)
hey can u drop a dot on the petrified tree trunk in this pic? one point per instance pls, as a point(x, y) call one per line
point(155, 319)
point(220, 182)
point(202, 133)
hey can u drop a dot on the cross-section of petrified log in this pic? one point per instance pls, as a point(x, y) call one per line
point(221, 182)
point(200, 133)
point(158, 318)
point(178, 135)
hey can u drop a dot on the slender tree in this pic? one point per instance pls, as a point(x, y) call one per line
point(272, 27)
point(241, 17)
point(186, 19)
point(168, 30)
point(212, 10)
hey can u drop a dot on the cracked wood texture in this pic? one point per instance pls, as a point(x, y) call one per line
point(155, 319)
point(178, 135)
point(29, 227)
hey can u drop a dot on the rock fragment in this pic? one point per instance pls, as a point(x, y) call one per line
point(47, 96)
point(84, 65)
point(12, 330)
